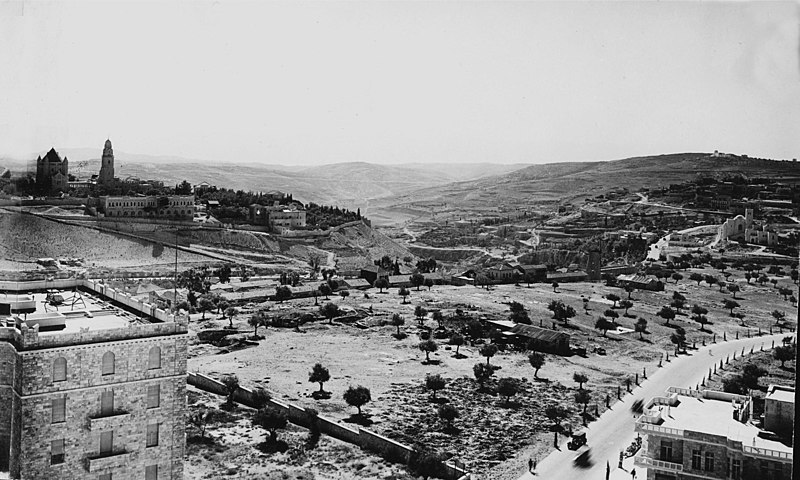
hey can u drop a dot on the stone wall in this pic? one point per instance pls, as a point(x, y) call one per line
point(362, 437)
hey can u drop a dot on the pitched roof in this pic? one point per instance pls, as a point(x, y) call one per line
point(635, 278)
point(525, 268)
point(538, 333)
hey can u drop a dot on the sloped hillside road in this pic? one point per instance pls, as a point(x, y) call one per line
point(613, 432)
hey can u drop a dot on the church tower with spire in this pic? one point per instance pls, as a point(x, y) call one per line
point(107, 166)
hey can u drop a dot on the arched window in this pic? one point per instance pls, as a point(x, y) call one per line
point(154, 358)
point(60, 369)
point(108, 363)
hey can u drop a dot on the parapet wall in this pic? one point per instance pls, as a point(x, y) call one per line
point(29, 338)
point(364, 438)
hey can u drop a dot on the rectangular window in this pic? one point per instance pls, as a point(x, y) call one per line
point(153, 396)
point(106, 442)
point(57, 452)
point(736, 469)
point(697, 460)
point(59, 410)
point(666, 450)
point(151, 472)
point(152, 435)
point(107, 403)
point(709, 462)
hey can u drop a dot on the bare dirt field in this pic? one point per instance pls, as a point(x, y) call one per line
point(28, 237)
point(493, 438)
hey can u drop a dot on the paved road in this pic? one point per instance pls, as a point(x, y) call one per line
point(613, 432)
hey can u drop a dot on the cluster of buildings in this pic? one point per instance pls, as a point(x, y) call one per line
point(742, 227)
point(691, 434)
point(52, 175)
point(52, 171)
point(736, 197)
point(278, 217)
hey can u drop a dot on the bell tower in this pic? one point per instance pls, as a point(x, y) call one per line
point(107, 165)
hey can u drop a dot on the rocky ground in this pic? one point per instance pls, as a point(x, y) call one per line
point(230, 451)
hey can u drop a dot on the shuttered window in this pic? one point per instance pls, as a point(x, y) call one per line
point(59, 409)
point(152, 435)
point(154, 358)
point(106, 442)
point(108, 363)
point(107, 402)
point(57, 451)
point(60, 369)
point(151, 472)
point(153, 396)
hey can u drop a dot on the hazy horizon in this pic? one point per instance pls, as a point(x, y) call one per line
point(395, 83)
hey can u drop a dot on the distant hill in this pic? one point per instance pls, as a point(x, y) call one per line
point(350, 185)
point(577, 180)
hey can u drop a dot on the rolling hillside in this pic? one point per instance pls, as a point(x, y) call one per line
point(577, 180)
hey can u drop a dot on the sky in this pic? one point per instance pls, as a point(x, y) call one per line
point(301, 83)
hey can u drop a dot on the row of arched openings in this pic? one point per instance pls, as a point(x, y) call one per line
point(108, 365)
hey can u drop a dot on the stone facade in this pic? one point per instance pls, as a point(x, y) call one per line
point(65, 399)
point(175, 207)
point(106, 176)
point(688, 454)
point(52, 173)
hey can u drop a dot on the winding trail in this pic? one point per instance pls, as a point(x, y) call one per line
point(614, 430)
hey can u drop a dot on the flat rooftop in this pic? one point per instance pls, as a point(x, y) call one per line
point(78, 310)
point(781, 394)
point(715, 417)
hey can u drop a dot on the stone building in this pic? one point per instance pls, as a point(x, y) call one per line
point(106, 176)
point(691, 434)
point(173, 207)
point(277, 217)
point(52, 173)
point(101, 398)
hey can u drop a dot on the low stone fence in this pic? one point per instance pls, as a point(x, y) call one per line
point(364, 438)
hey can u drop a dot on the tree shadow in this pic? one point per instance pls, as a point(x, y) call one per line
point(323, 395)
point(360, 419)
point(644, 340)
point(273, 447)
point(541, 379)
point(431, 362)
point(451, 430)
point(459, 356)
point(439, 400)
point(198, 440)
point(399, 336)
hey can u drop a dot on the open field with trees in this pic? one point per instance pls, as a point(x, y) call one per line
point(492, 417)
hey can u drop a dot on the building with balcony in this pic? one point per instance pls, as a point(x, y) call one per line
point(97, 393)
point(173, 207)
point(691, 434)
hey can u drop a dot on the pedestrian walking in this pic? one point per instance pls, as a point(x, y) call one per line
point(535, 462)
point(633, 473)
point(530, 464)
